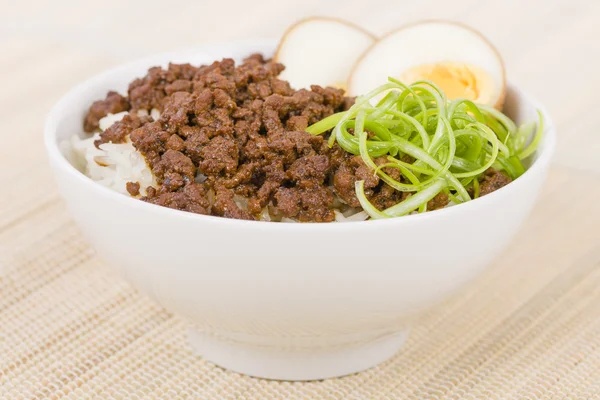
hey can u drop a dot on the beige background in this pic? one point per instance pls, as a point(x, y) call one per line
point(527, 329)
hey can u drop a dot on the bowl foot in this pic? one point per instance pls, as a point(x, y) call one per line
point(295, 364)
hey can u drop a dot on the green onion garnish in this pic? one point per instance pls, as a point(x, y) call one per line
point(452, 143)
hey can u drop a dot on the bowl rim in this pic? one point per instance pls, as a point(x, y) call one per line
point(542, 161)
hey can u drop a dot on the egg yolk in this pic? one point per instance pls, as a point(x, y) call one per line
point(457, 80)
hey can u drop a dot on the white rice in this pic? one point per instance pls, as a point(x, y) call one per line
point(113, 165)
point(355, 215)
point(110, 119)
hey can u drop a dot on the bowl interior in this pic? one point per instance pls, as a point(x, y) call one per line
point(65, 119)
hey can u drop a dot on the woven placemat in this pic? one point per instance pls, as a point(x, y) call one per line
point(529, 328)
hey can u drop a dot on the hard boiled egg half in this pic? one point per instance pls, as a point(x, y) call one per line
point(461, 61)
point(321, 51)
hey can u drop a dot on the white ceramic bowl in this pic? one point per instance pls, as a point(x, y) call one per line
point(288, 301)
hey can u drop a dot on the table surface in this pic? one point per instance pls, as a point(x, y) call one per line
point(528, 328)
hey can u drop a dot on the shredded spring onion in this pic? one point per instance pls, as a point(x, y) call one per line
point(452, 142)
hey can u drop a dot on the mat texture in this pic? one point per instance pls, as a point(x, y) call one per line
point(529, 328)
